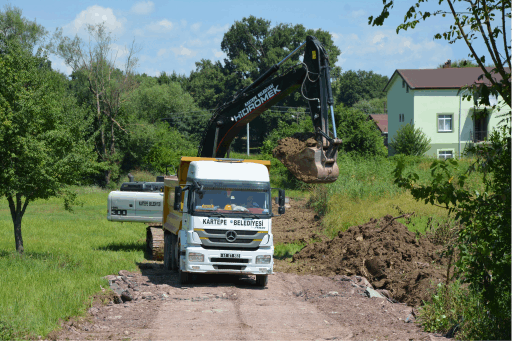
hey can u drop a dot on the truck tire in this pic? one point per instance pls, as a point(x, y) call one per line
point(184, 277)
point(261, 280)
point(168, 251)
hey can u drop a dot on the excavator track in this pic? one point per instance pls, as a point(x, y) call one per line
point(155, 241)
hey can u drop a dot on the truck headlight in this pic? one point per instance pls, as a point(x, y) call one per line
point(195, 257)
point(263, 259)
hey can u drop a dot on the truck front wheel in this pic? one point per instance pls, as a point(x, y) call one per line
point(169, 254)
point(262, 280)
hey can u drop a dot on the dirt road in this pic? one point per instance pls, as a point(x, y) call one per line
point(291, 307)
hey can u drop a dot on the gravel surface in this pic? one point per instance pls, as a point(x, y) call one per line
point(150, 304)
point(291, 307)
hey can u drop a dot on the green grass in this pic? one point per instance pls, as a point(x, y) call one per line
point(286, 250)
point(365, 189)
point(461, 312)
point(66, 256)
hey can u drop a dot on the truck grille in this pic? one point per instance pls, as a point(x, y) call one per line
point(240, 233)
point(243, 239)
point(229, 267)
point(229, 260)
point(224, 240)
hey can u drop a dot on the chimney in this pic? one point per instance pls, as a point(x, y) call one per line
point(447, 64)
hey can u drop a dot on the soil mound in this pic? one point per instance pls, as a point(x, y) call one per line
point(289, 152)
point(385, 252)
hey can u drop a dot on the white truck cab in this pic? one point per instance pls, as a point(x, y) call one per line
point(217, 218)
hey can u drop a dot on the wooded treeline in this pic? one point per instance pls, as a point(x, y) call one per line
point(132, 120)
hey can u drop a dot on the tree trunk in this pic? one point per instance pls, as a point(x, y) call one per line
point(17, 211)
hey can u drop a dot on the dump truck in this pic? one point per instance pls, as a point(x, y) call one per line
point(206, 225)
point(217, 218)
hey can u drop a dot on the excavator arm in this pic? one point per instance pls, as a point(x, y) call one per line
point(315, 163)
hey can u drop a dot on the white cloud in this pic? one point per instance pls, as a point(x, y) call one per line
point(143, 7)
point(94, 15)
point(218, 29)
point(161, 26)
point(60, 65)
point(195, 27)
point(359, 13)
point(218, 54)
point(119, 51)
point(391, 50)
point(378, 38)
point(183, 52)
point(196, 42)
point(161, 52)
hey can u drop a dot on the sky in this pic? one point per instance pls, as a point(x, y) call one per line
point(173, 35)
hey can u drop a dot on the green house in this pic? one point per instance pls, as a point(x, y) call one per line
point(430, 99)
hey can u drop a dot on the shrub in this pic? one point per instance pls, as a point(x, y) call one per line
point(359, 135)
point(410, 141)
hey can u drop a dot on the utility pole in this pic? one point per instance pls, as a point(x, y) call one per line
point(247, 139)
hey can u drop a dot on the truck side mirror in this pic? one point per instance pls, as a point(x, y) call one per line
point(280, 210)
point(281, 197)
point(177, 198)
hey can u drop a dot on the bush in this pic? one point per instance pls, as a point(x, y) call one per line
point(410, 141)
point(359, 134)
point(461, 313)
point(483, 242)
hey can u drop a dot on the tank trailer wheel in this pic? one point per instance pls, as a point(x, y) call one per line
point(261, 280)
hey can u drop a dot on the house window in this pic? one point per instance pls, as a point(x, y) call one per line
point(407, 88)
point(403, 84)
point(401, 117)
point(444, 123)
point(445, 154)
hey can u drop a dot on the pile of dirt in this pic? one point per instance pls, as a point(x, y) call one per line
point(385, 252)
point(290, 152)
point(299, 224)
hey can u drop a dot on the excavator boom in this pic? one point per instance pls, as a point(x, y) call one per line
point(316, 162)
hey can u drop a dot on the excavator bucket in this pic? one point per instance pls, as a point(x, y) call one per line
point(306, 161)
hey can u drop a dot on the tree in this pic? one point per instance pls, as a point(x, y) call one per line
point(14, 27)
point(479, 18)
point(410, 140)
point(211, 84)
point(372, 106)
point(355, 86)
point(41, 133)
point(154, 103)
point(483, 241)
point(358, 133)
point(460, 63)
point(107, 85)
point(252, 46)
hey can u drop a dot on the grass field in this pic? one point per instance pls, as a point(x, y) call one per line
point(365, 190)
point(66, 256)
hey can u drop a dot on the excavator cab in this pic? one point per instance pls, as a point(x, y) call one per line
point(310, 157)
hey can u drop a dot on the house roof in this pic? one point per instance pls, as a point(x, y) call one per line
point(381, 120)
point(447, 78)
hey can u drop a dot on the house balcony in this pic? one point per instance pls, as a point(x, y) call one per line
point(478, 135)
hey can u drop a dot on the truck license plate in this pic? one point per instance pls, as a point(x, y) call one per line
point(230, 255)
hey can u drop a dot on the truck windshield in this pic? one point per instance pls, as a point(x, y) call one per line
point(232, 201)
